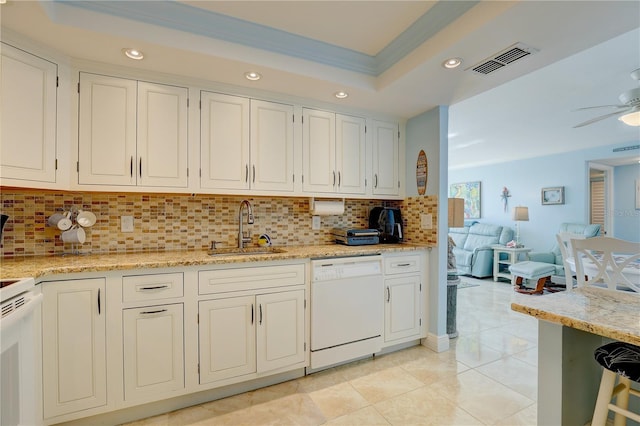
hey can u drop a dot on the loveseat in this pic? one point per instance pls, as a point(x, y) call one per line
point(554, 256)
point(473, 252)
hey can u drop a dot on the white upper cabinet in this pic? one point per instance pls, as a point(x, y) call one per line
point(224, 143)
point(318, 151)
point(107, 130)
point(131, 133)
point(245, 144)
point(351, 154)
point(271, 149)
point(162, 135)
point(334, 153)
point(386, 147)
point(28, 123)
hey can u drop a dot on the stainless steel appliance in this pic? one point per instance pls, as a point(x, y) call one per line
point(20, 363)
point(347, 315)
point(356, 237)
point(389, 222)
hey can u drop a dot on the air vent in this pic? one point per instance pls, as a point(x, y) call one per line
point(503, 58)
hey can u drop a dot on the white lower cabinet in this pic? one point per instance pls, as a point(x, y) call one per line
point(402, 308)
point(250, 334)
point(251, 322)
point(73, 346)
point(153, 345)
point(227, 338)
point(403, 298)
point(280, 333)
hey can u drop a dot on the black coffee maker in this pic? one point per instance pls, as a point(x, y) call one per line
point(389, 222)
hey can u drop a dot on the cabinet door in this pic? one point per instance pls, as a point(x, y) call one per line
point(227, 338)
point(318, 151)
point(402, 307)
point(73, 346)
point(153, 350)
point(107, 130)
point(224, 141)
point(280, 333)
point(28, 128)
point(162, 135)
point(350, 154)
point(271, 146)
point(385, 158)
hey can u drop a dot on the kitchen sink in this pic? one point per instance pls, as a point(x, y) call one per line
point(247, 251)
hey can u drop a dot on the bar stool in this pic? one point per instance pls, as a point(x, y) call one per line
point(620, 360)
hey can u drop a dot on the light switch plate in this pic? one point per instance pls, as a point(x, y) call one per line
point(315, 222)
point(126, 223)
point(426, 221)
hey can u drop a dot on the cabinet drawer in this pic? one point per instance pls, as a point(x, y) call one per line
point(225, 280)
point(151, 287)
point(401, 264)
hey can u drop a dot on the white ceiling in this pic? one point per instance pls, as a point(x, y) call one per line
point(386, 54)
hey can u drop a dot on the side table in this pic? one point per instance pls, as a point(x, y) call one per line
point(513, 254)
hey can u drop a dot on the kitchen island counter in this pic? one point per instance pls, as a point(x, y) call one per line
point(39, 266)
point(572, 324)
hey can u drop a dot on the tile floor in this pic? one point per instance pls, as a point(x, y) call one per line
point(488, 377)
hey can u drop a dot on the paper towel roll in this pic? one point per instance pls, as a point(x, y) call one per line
point(327, 208)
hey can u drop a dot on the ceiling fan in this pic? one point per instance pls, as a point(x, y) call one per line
point(629, 110)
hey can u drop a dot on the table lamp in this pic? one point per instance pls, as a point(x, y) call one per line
point(519, 214)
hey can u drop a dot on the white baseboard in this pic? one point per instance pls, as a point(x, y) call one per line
point(436, 343)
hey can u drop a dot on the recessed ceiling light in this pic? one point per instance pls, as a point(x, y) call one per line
point(452, 63)
point(341, 95)
point(133, 53)
point(253, 76)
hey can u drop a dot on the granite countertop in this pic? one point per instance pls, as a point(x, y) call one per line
point(39, 266)
point(612, 314)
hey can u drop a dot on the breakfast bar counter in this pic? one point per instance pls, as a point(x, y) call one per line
point(572, 325)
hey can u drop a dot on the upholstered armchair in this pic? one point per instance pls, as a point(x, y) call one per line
point(554, 256)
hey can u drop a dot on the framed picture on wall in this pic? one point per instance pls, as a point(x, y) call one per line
point(470, 191)
point(554, 195)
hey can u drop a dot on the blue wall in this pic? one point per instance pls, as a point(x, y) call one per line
point(526, 178)
point(428, 131)
point(626, 218)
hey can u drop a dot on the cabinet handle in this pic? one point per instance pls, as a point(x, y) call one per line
point(339, 179)
point(334, 178)
point(140, 166)
point(131, 167)
point(252, 313)
point(153, 312)
point(260, 321)
point(246, 173)
point(388, 294)
point(401, 265)
point(98, 301)
point(375, 185)
point(254, 173)
point(155, 287)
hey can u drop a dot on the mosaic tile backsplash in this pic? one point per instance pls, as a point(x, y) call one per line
point(182, 221)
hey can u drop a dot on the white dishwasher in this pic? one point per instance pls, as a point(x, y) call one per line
point(347, 309)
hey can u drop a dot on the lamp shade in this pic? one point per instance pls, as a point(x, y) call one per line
point(455, 218)
point(520, 213)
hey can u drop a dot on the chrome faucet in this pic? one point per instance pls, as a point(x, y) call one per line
point(241, 238)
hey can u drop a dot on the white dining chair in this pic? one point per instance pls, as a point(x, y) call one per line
point(564, 242)
point(603, 260)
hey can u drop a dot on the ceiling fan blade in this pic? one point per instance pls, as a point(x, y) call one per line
point(602, 117)
point(601, 106)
